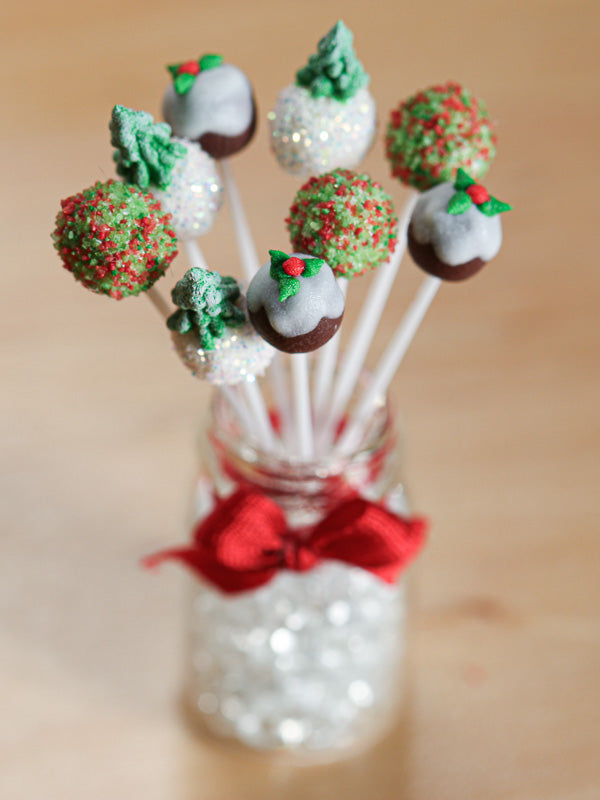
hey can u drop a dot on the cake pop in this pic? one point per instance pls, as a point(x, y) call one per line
point(180, 174)
point(211, 332)
point(114, 238)
point(455, 229)
point(345, 218)
point(294, 302)
point(212, 103)
point(326, 118)
point(435, 132)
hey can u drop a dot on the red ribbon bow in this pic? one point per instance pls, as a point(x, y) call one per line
point(245, 541)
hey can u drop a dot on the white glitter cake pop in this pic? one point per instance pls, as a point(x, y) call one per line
point(211, 331)
point(326, 119)
point(194, 195)
point(239, 355)
point(181, 176)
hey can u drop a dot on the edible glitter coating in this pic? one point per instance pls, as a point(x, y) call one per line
point(145, 153)
point(238, 356)
point(114, 238)
point(195, 193)
point(435, 132)
point(345, 218)
point(310, 135)
point(334, 70)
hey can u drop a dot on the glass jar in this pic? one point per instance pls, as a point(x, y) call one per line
point(311, 662)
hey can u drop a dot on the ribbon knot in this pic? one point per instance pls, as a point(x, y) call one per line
point(245, 541)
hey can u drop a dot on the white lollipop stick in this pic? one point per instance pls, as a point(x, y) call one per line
point(325, 369)
point(282, 400)
point(303, 420)
point(194, 254)
point(159, 302)
point(389, 363)
point(365, 326)
point(239, 409)
point(260, 418)
point(245, 242)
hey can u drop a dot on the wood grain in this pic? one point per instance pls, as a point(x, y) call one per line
point(500, 394)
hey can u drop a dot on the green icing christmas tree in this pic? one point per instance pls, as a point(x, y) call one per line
point(145, 153)
point(207, 305)
point(334, 70)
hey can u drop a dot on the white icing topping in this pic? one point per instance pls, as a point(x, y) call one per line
point(220, 101)
point(318, 297)
point(455, 238)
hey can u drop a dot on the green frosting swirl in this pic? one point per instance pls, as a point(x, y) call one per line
point(207, 305)
point(334, 70)
point(145, 154)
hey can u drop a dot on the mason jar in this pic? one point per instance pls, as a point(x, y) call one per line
point(312, 661)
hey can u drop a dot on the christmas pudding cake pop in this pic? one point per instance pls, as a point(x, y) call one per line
point(435, 132)
point(326, 118)
point(346, 219)
point(212, 103)
point(114, 239)
point(294, 302)
point(180, 174)
point(455, 229)
point(211, 332)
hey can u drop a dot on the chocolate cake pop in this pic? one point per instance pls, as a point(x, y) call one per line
point(345, 218)
point(211, 331)
point(294, 302)
point(326, 118)
point(212, 103)
point(435, 132)
point(181, 175)
point(114, 238)
point(455, 229)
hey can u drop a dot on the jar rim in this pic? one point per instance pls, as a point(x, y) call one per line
point(226, 432)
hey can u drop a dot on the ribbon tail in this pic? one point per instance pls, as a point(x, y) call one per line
point(183, 554)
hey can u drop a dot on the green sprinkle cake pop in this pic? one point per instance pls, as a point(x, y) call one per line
point(114, 238)
point(436, 131)
point(346, 219)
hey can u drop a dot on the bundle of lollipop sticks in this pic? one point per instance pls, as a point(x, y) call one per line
point(119, 237)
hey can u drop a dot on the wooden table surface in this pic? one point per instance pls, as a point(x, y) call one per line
point(500, 394)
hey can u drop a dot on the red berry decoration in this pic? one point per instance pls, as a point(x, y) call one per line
point(293, 266)
point(478, 193)
point(189, 68)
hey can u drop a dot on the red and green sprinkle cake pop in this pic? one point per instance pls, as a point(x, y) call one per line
point(114, 238)
point(346, 219)
point(436, 131)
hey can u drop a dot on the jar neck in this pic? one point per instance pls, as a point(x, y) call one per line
point(300, 488)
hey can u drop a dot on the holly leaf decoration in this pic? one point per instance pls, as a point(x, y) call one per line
point(459, 203)
point(210, 61)
point(288, 287)
point(463, 181)
point(277, 259)
point(183, 82)
point(493, 206)
point(312, 267)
